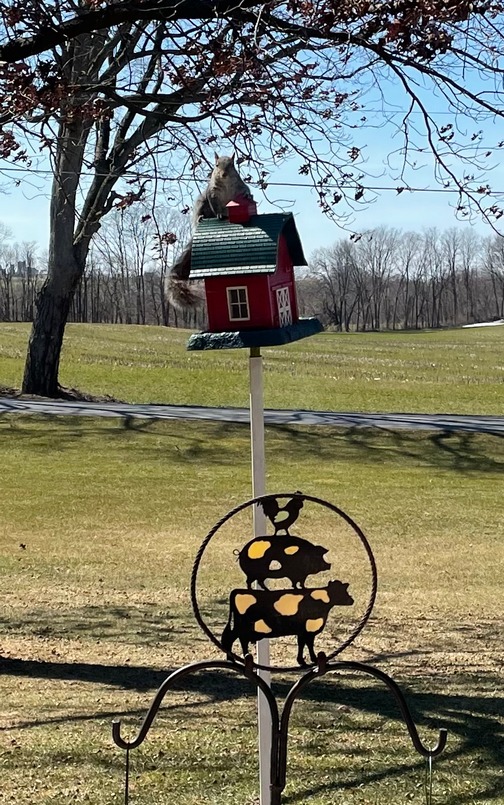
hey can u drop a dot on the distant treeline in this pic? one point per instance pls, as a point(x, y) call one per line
point(107, 294)
point(390, 279)
point(387, 279)
point(125, 278)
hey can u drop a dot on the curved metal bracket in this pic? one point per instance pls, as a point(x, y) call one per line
point(246, 670)
point(279, 725)
point(324, 668)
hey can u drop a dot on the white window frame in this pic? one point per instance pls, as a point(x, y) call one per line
point(239, 302)
point(284, 306)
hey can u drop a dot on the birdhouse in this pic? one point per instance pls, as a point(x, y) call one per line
point(247, 264)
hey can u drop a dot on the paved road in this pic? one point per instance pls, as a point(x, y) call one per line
point(452, 422)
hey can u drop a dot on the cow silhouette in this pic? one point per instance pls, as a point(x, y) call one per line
point(255, 614)
point(281, 557)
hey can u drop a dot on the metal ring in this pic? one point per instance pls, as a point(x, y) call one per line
point(254, 501)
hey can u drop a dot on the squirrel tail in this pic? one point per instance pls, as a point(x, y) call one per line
point(179, 292)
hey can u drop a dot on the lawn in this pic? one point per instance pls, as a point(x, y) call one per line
point(99, 524)
point(100, 521)
point(451, 371)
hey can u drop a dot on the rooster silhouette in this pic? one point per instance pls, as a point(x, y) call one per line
point(282, 517)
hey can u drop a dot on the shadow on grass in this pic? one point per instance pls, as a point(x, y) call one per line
point(475, 722)
point(138, 678)
point(183, 442)
point(475, 725)
point(145, 625)
point(461, 452)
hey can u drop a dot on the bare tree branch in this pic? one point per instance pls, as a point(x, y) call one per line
point(89, 20)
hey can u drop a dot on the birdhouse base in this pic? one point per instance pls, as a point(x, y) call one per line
point(255, 338)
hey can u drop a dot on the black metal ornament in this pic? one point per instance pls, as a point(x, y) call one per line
point(282, 517)
point(280, 718)
point(300, 611)
point(257, 614)
point(281, 556)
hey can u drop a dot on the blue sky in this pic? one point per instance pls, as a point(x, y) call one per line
point(26, 209)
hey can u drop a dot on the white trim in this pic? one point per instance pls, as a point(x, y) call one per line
point(240, 302)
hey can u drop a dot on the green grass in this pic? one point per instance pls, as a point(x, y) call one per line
point(96, 610)
point(451, 371)
point(96, 606)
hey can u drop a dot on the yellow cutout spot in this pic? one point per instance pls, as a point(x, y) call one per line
point(320, 595)
point(244, 601)
point(291, 549)
point(262, 627)
point(288, 604)
point(314, 625)
point(258, 549)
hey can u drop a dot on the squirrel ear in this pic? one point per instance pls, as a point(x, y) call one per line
point(232, 157)
point(216, 157)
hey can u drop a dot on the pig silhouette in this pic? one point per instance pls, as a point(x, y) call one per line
point(281, 556)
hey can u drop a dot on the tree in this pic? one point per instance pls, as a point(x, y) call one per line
point(128, 266)
point(376, 258)
point(19, 278)
point(494, 268)
point(6, 275)
point(422, 285)
point(335, 269)
point(113, 90)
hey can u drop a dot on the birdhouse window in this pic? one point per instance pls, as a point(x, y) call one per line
point(238, 304)
point(284, 307)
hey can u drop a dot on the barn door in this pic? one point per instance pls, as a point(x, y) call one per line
point(284, 307)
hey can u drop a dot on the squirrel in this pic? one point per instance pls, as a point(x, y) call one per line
point(224, 185)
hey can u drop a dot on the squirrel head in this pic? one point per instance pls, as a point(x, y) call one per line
point(225, 164)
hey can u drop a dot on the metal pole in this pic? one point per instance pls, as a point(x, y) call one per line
point(259, 488)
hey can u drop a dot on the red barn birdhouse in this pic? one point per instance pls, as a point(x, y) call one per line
point(247, 263)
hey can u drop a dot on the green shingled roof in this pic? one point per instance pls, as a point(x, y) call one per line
point(220, 248)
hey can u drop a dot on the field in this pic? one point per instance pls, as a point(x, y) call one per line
point(99, 524)
point(452, 371)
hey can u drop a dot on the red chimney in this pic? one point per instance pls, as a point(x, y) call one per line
point(241, 209)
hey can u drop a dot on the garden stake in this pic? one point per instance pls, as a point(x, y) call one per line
point(257, 610)
point(126, 780)
point(428, 782)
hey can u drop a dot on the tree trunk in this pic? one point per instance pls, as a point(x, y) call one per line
point(46, 338)
point(65, 268)
point(67, 253)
